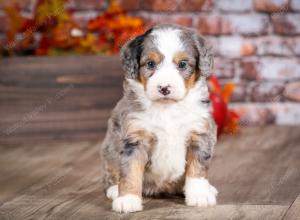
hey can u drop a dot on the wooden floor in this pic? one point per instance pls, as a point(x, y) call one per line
point(53, 116)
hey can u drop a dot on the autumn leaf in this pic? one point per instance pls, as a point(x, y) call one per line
point(15, 22)
point(227, 91)
point(214, 85)
point(49, 9)
point(227, 120)
point(60, 31)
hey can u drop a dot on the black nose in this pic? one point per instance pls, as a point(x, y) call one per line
point(164, 90)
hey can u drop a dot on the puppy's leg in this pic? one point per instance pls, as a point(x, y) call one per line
point(133, 160)
point(197, 190)
point(111, 181)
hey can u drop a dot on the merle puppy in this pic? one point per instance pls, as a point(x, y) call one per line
point(161, 134)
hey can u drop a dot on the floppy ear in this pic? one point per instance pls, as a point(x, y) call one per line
point(130, 56)
point(205, 62)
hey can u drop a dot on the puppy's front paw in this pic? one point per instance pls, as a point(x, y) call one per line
point(112, 192)
point(127, 203)
point(198, 192)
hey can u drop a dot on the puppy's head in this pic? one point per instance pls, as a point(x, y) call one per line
point(167, 60)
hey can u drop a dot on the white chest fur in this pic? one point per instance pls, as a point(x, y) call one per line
point(168, 156)
point(171, 124)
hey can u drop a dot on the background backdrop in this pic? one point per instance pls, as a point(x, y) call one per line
point(256, 42)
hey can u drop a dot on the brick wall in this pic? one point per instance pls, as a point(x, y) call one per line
point(256, 42)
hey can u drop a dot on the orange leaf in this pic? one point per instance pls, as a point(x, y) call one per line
point(227, 91)
point(232, 123)
point(15, 21)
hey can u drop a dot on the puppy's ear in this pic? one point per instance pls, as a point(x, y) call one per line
point(130, 56)
point(205, 53)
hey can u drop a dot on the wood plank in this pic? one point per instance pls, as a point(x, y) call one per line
point(59, 136)
point(64, 181)
point(34, 163)
point(262, 165)
point(60, 186)
point(230, 212)
point(293, 213)
point(57, 97)
point(54, 66)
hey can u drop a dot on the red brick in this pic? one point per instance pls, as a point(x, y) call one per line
point(213, 25)
point(274, 46)
point(280, 69)
point(295, 5)
point(151, 19)
point(280, 6)
point(234, 5)
point(286, 113)
point(253, 114)
point(228, 24)
point(267, 92)
point(292, 91)
point(191, 5)
point(287, 24)
point(214, 42)
point(295, 45)
point(253, 24)
point(223, 68)
point(158, 5)
point(239, 93)
point(130, 5)
point(87, 4)
point(183, 20)
point(247, 49)
point(249, 70)
point(23, 4)
point(196, 5)
point(235, 47)
point(208, 5)
point(267, 113)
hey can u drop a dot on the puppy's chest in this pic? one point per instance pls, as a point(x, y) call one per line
point(171, 128)
point(168, 155)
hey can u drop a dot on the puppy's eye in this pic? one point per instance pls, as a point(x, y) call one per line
point(151, 64)
point(182, 65)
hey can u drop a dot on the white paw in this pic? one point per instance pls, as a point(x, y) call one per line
point(112, 192)
point(198, 192)
point(127, 203)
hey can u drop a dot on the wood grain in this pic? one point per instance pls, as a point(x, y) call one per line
point(66, 98)
point(293, 213)
point(57, 180)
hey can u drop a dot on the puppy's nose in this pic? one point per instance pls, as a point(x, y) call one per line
point(164, 90)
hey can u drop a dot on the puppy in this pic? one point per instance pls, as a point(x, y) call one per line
point(161, 135)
